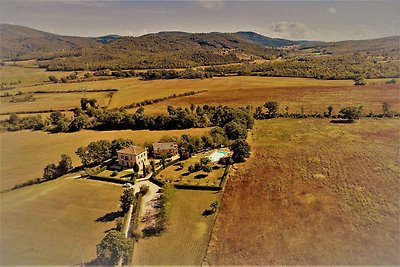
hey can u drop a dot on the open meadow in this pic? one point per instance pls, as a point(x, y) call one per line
point(24, 154)
point(22, 76)
point(296, 93)
point(313, 192)
point(309, 95)
point(52, 101)
point(186, 238)
point(57, 222)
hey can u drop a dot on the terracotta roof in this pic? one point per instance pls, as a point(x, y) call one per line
point(132, 150)
point(168, 145)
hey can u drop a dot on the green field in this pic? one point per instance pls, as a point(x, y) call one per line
point(24, 154)
point(313, 193)
point(176, 174)
point(54, 223)
point(186, 238)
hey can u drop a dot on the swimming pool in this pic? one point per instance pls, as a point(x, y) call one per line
point(217, 155)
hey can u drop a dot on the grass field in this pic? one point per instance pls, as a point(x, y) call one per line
point(24, 154)
point(52, 101)
point(55, 223)
point(20, 76)
point(310, 94)
point(296, 93)
point(186, 238)
point(313, 193)
point(180, 175)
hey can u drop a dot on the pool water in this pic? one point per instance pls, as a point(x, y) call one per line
point(217, 155)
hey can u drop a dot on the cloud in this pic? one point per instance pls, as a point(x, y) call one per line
point(286, 29)
point(211, 4)
point(331, 10)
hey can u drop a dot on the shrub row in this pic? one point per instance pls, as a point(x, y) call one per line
point(157, 100)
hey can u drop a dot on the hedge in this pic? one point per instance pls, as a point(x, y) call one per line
point(108, 179)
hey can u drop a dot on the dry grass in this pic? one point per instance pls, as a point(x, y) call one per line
point(295, 93)
point(313, 193)
point(52, 101)
point(26, 76)
point(55, 222)
point(24, 154)
point(186, 237)
point(180, 175)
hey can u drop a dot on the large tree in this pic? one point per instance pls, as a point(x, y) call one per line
point(241, 150)
point(113, 247)
point(126, 199)
point(272, 108)
point(235, 130)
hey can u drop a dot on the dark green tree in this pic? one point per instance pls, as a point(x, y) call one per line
point(65, 165)
point(330, 109)
point(50, 172)
point(351, 113)
point(241, 150)
point(126, 199)
point(234, 130)
point(272, 108)
point(113, 247)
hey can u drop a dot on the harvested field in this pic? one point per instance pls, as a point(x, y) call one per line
point(54, 223)
point(21, 76)
point(52, 101)
point(24, 154)
point(296, 93)
point(313, 193)
point(186, 238)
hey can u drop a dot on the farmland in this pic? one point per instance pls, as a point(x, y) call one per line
point(52, 101)
point(55, 223)
point(313, 193)
point(24, 154)
point(186, 238)
point(20, 76)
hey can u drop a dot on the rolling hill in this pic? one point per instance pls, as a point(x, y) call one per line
point(168, 50)
point(268, 41)
point(19, 43)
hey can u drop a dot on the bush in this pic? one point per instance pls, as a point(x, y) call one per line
point(205, 161)
point(114, 173)
point(207, 168)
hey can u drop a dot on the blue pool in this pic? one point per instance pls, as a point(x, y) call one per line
point(217, 155)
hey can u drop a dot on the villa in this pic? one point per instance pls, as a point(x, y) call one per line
point(129, 155)
point(165, 148)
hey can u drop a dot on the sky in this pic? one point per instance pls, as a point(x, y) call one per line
point(297, 20)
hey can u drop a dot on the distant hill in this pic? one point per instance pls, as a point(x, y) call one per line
point(19, 42)
point(168, 50)
point(268, 41)
point(385, 44)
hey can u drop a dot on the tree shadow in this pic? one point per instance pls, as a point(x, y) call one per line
point(109, 217)
point(200, 176)
point(207, 213)
point(341, 121)
point(186, 173)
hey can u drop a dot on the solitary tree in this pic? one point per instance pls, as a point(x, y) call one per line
point(113, 247)
point(144, 170)
point(163, 158)
point(136, 169)
point(153, 168)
